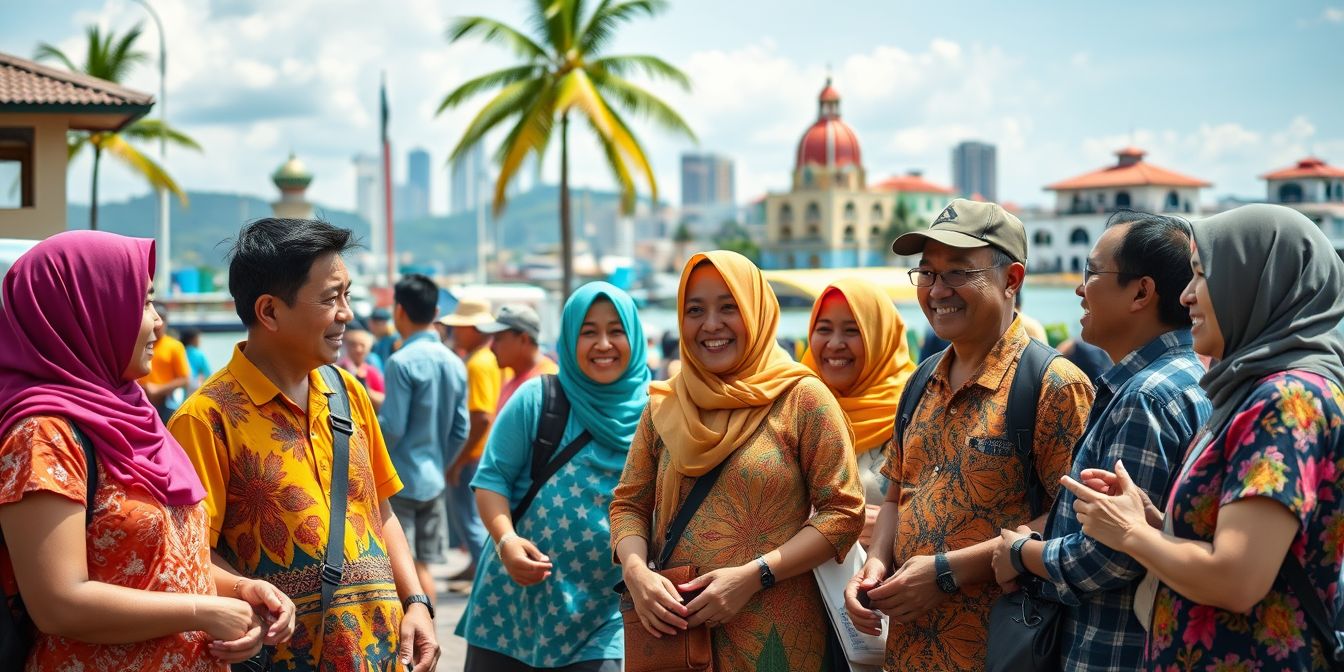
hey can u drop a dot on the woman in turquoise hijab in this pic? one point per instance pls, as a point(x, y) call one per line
point(544, 598)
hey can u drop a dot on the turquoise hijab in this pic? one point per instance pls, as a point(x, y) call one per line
point(609, 412)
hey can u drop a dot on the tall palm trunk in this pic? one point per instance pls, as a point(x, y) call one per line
point(93, 196)
point(566, 227)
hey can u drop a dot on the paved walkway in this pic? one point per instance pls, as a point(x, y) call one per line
point(448, 611)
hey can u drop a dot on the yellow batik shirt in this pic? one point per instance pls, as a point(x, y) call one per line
point(267, 482)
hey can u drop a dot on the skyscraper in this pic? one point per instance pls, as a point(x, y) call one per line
point(975, 169)
point(469, 181)
point(706, 181)
point(417, 185)
point(368, 193)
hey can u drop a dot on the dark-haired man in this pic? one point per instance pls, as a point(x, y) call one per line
point(424, 419)
point(1147, 410)
point(260, 436)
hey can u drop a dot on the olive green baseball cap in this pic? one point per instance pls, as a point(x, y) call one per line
point(969, 224)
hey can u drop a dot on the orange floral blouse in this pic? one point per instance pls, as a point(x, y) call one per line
point(799, 460)
point(133, 541)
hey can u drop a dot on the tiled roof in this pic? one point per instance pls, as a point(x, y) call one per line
point(31, 86)
point(911, 184)
point(1131, 171)
point(1308, 167)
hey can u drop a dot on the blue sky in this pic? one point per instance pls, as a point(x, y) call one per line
point(1220, 90)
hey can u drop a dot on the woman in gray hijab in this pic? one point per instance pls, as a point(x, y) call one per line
point(1255, 518)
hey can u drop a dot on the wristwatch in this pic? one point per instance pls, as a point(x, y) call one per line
point(767, 576)
point(418, 599)
point(946, 581)
point(1015, 553)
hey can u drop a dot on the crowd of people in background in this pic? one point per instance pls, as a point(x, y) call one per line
point(1168, 484)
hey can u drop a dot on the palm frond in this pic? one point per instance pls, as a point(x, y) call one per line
point(529, 136)
point(474, 87)
point(643, 103)
point(75, 142)
point(496, 32)
point(620, 170)
point(602, 24)
point(122, 57)
point(152, 129)
point(651, 66)
point(576, 91)
point(625, 140)
point(546, 23)
point(514, 99)
point(143, 165)
point(50, 52)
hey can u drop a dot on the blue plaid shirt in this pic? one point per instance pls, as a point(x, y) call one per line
point(1147, 410)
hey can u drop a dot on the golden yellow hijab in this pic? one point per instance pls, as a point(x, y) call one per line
point(703, 418)
point(871, 408)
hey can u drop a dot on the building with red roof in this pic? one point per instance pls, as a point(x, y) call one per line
point(1314, 188)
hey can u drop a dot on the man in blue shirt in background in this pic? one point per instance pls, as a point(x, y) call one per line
point(424, 420)
point(1148, 407)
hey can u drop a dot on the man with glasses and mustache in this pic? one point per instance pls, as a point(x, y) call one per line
point(957, 478)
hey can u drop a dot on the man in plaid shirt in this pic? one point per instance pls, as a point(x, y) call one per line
point(1147, 410)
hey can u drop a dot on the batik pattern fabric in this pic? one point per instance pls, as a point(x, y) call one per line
point(796, 461)
point(961, 482)
point(133, 541)
point(1283, 444)
point(267, 465)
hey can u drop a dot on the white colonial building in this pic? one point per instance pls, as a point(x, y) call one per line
point(1314, 188)
point(1059, 241)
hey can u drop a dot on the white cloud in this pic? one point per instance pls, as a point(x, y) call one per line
point(1333, 14)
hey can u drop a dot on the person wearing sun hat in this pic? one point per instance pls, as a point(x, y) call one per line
point(955, 477)
point(484, 382)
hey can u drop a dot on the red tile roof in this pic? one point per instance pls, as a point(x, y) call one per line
point(911, 184)
point(1130, 171)
point(829, 142)
point(1308, 167)
point(26, 86)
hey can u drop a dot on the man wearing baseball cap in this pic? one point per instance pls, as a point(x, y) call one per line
point(517, 332)
point(956, 477)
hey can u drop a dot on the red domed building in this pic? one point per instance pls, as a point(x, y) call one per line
point(831, 218)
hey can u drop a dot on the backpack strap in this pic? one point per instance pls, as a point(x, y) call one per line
point(914, 390)
point(91, 479)
point(1023, 399)
point(550, 430)
point(342, 427)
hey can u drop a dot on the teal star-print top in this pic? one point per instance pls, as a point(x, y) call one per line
point(573, 615)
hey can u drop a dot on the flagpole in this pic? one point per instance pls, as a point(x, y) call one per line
point(387, 182)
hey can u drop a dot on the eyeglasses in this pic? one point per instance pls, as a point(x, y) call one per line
point(1089, 273)
point(924, 278)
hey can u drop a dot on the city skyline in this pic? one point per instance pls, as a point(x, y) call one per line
point(1046, 83)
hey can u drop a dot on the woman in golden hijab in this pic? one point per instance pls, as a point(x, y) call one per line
point(857, 344)
point(787, 499)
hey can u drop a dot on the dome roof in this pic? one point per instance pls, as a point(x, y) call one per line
point(829, 141)
point(292, 174)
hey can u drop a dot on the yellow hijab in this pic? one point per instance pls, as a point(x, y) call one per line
point(703, 418)
point(871, 406)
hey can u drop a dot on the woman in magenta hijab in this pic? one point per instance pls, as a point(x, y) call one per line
point(130, 586)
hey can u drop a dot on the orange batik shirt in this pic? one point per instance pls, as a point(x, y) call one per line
point(267, 474)
point(133, 541)
point(960, 482)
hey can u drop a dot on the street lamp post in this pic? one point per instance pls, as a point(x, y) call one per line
point(164, 282)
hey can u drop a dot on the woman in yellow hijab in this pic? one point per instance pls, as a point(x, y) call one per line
point(787, 499)
point(857, 345)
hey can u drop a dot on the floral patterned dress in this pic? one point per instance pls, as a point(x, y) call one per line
point(1284, 444)
point(796, 461)
point(133, 541)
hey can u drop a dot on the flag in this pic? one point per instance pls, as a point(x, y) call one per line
point(387, 178)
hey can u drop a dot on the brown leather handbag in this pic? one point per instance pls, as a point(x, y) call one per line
point(691, 649)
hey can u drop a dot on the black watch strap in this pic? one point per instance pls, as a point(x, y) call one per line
point(419, 599)
point(767, 576)
point(944, 577)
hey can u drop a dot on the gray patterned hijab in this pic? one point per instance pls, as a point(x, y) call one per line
point(1277, 288)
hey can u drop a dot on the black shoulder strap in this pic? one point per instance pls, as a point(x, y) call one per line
point(1023, 399)
point(687, 511)
point(550, 429)
point(91, 480)
point(342, 427)
point(1317, 614)
point(914, 389)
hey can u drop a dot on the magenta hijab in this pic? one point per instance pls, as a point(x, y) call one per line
point(72, 311)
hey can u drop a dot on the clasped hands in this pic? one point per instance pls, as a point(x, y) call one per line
point(908, 594)
point(664, 610)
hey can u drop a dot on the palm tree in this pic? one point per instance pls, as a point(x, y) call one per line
point(111, 58)
point(565, 71)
